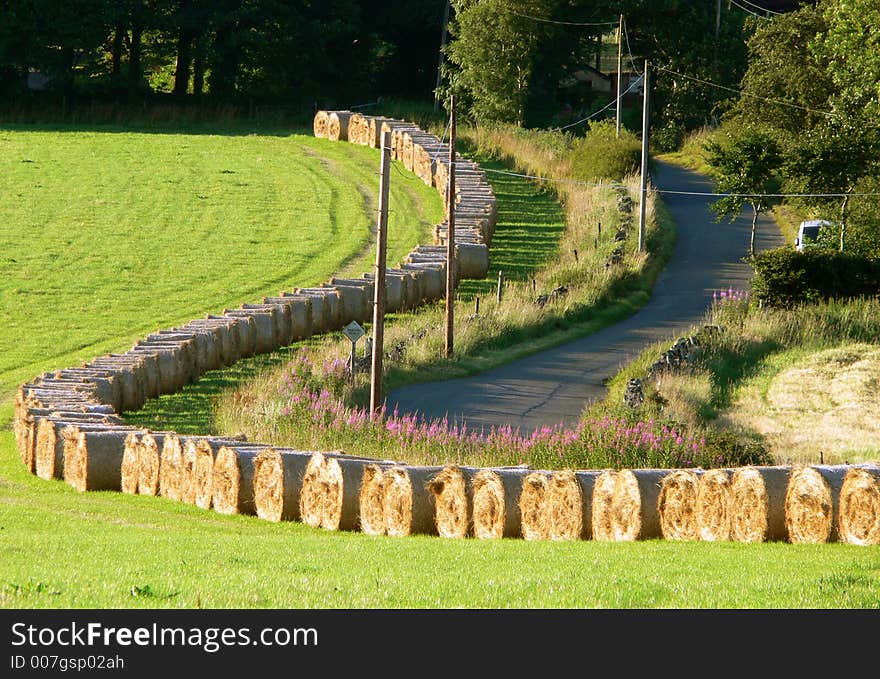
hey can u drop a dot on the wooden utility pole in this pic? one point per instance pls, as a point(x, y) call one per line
point(644, 179)
point(619, 71)
point(450, 232)
point(379, 280)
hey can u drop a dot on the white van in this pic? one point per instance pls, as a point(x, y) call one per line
point(808, 232)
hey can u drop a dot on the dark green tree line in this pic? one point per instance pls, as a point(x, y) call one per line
point(340, 53)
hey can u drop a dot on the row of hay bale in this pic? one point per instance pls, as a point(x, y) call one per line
point(335, 491)
point(427, 156)
point(62, 415)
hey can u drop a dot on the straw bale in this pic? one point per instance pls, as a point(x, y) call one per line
point(171, 467)
point(677, 504)
point(602, 514)
point(245, 332)
point(812, 503)
point(305, 315)
point(566, 504)
point(94, 460)
point(188, 472)
point(472, 260)
point(452, 488)
point(342, 481)
point(359, 129)
point(432, 279)
point(50, 442)
point(149, 453)
point(496, 494)
point(355, 303)
point(859, 518)
point(332, 300)
point(337, 125)
point(265, 334)
point(278, 478)
point(320, 124)
point(232, 482)
point(636, 504)
point(534, 506)
point(130, 470)
point(313, 494)
point(713, 510)
point(372, 500)
point(408, 500)
point(757, 500)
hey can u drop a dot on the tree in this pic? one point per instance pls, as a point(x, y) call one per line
point(745, 163)
point(493, 49)
point(833, 159)
point(784, 67)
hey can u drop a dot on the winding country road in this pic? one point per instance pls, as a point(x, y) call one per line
point(554, 386)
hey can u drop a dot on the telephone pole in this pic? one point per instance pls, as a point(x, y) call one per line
point(644, 179)
point(619, 71)
point(450, 232)
point(379, 281)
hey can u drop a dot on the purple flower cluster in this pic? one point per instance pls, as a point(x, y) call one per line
point(314, 406)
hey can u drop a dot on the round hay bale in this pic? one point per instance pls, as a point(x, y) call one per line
point(359, 129)
point(320, 124)
point(94, 461)
point(355, 306)
point(635, 504)
point(757, 500)
point(49, 448)
point(812, 503)
point(602, 514)
point(130, 470)
point(305, 319)
point(859, 518)
point(313, 495)
point(453, 499)
point(337, 125)
point(566, 504)
point(203, 473)
point(277, 483)
point(712, 506)
point(496, 502)
point(149, 454)
point(171, 467)
point(677, 504)
point(372, 500)
point(232, 482)
point(342, 484)
point(472, 260)
point(188, 472)
point(408, 501)
point(534, 507)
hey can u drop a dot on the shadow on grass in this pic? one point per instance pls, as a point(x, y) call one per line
point(530, 224)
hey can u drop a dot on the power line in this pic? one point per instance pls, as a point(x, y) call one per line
point(763, 9)
point(680, 193)
point(628, 50)
point(748, 94)
point(608, 105)
point(748, 11)
point(560, 23)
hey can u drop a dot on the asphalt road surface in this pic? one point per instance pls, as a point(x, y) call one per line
point(554, 386)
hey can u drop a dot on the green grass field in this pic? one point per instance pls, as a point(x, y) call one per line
point(108, 235)
point(63, 549)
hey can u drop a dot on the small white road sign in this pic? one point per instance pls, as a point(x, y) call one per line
point(354, 331)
